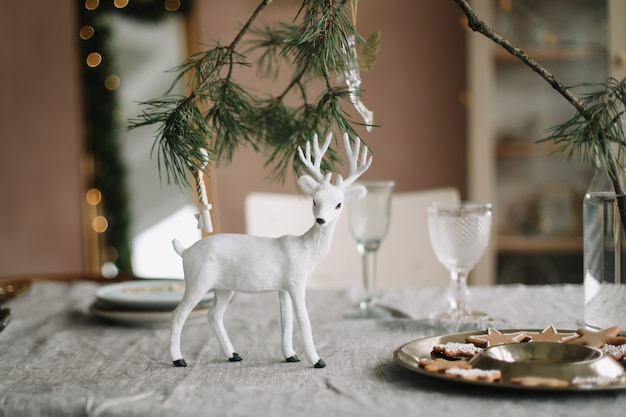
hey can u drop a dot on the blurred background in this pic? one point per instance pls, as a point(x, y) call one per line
point(80, 193)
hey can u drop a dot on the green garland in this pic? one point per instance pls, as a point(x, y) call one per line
point(99, 104)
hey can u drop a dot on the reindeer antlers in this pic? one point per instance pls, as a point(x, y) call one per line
point(315, 168)
point(353, 156)
point(357, 168)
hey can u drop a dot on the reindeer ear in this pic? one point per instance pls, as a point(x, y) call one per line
point(354, 192)
point(308, 184)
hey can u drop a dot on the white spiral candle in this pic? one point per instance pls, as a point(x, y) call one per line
point(204, 217)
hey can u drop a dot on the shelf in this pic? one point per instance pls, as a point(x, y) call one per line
point(539, 244)
point(554, 53)
point(512, 148)
point(536, 186)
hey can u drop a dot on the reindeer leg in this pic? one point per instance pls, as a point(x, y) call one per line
point(299, 304)
point(189, 302)
point(216, 319)
point(286, 319)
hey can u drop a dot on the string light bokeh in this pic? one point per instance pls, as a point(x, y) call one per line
point(105, 198)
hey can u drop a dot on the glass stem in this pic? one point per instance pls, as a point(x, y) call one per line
point(368, 256)
point(459, 292)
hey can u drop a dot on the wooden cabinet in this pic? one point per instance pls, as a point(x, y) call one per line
point(536, 191)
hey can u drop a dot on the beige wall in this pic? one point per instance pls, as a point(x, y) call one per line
point(414, 90)
point(41, 140)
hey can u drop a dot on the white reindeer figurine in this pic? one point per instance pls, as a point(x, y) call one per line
point(235, 262)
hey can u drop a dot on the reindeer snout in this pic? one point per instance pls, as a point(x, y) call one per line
point(320, 221)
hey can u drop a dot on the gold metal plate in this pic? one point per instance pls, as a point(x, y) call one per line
point(11, 288)
point(560, 361)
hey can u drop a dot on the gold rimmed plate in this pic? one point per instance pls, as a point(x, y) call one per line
point(583, 368)
point(145, 294)
point(150, 318)
point(11, 288)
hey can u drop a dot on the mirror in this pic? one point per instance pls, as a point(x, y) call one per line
point(159, 212)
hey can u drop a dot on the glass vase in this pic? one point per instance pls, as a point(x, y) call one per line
point(604, 253)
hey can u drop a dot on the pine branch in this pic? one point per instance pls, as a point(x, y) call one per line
point(481, 27)
point(597, 123)
point(233, 116)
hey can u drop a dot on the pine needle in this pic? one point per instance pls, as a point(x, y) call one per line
point(221, 115)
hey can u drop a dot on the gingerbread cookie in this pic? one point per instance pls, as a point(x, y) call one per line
point(596, 338)
point(617, 352)
point(535, 381)
point(486, 375)
point(456, 349)
point(495, 337)
point(597, 381)
point(551, 334)
point(442, 365)
point(617, 340)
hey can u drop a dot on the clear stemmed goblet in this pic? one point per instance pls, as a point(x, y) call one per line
point(369, 221)
point(459, 234)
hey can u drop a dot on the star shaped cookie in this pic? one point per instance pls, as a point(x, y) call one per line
point(596, 338)
point(495, 337)
point(551, 334)
point(536, 381)
point(442, 365)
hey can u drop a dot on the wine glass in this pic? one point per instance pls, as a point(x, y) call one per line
point(369, 221)
point(459, 234)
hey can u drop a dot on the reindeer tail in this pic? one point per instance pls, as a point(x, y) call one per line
point(178, 247)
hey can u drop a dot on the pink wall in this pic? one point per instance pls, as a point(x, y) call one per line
point(41, 138)
point(413, 89)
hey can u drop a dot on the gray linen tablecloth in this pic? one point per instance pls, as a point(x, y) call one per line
point(58, 360)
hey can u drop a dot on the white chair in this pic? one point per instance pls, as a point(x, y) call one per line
point(405, 258)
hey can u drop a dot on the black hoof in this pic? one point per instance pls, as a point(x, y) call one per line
point(180, 363)
point(320, 364)
point(235, 358)
point(293, 358)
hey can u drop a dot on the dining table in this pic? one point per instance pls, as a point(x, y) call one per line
point(57, 358)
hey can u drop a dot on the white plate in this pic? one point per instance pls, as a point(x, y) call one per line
point(144, 318)
point(154, 294)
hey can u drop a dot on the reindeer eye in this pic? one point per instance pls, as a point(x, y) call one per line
point(338, 206)
point(314, 203)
